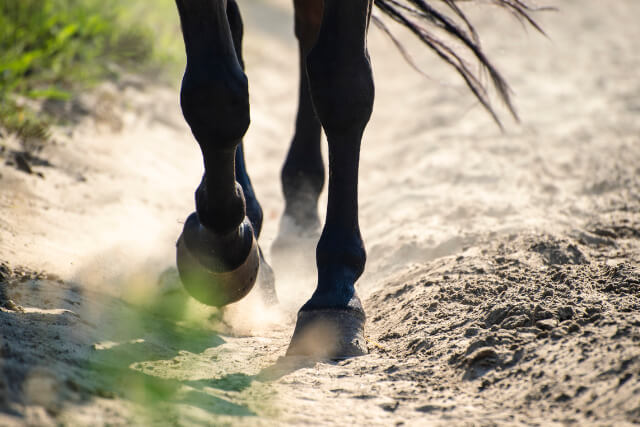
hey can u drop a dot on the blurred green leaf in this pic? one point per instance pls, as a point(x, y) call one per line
point(66, 33)
point(50, 93)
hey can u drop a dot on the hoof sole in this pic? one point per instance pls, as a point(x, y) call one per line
point(328, 334)
point(216, 288)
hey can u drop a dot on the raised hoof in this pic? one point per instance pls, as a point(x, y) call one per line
point(216, 288)
point(329, 334)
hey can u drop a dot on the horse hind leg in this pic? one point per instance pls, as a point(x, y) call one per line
point(331, 323)
point(266, 277)
point(217, 254)
point(303, 172)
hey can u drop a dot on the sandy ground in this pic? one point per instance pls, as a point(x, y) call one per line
point(502, 285)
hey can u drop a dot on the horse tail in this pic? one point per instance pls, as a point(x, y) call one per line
point(421, 18)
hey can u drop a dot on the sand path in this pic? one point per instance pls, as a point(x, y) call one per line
point(502, 284)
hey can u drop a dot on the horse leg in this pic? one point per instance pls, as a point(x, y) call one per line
point(303, 171)
point(217, 254)
point(302, 175)
point(266, 277)
point(331, 323)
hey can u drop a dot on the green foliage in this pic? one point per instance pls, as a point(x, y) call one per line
point(23, 122)
point(47, 45)
point(51, 48)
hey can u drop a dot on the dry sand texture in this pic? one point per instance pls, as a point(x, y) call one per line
point(502, 285)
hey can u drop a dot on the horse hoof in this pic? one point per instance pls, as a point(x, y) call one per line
point(212, 287)
point(329, 334)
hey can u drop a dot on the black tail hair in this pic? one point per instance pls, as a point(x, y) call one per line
point(419, 16)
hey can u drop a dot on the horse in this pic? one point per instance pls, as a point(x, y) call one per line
point(217, 256)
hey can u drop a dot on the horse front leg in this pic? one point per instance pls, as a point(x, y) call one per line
point(331, 323)
point(217, 254)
